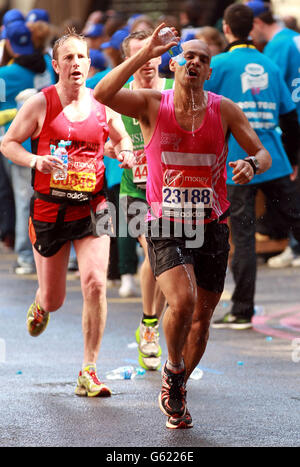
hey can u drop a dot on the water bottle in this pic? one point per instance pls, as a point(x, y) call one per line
point(62, 154)
point(197, 374)
point(126, 372)
point(166, 35)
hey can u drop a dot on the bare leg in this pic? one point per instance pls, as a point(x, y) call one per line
point(52, 274)
point(197, 338)
point(93, 255)
point(153, 298)
point(179, 287)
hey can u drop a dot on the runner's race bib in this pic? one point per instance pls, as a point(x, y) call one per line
point(140, 170)
point(80, 182)
point(187, 186)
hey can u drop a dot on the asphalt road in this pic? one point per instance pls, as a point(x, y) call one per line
point(249, 395)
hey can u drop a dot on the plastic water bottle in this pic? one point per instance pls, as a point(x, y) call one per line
point(166, 35)
point(126, 372)
point(62, 154)
point(197, 374)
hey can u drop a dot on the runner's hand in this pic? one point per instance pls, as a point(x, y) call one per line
point(46, 164)
point(127, 159)
point(242, 172)
point(155, 46)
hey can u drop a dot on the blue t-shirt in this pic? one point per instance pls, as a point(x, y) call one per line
point(254, 82)
point(15, 79)
point(284, 50)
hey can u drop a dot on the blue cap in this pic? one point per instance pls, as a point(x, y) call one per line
point(189, 37)
point(98, 59)
point(164, 66)
point(95, 30)
point(38, 14)
point(9, 17)
point(20, 38)
point(258, 7)
point(116, 39)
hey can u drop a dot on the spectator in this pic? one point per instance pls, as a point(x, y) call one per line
point(112, 48)
point(99, 62)
point(94, 35)
point(283, 48)
point(247, 77)
point(213, 38)
point(30, 66)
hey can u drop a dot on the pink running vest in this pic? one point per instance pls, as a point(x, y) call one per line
point(187, 167)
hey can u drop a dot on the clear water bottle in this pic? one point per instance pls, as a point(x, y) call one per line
point(197, 374)
point(126, 372)
point(166, 35)
point(62, 154)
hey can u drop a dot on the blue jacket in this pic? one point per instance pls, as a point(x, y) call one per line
point(255, 83)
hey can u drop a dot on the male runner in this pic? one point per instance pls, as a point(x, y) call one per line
point(133, 200)
point(73, 209)
point(185, 132)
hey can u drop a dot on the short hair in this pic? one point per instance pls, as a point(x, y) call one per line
point(267, 17)
point(70, 34)
point(240, 19)
point(139, 35)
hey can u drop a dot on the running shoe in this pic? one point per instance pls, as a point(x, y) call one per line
point(37, 320)
point(88, 384)
point(230, 321)
point(147, 337)
point(180, 423)
point(172, 398)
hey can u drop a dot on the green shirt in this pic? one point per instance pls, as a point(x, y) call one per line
point(130, 185)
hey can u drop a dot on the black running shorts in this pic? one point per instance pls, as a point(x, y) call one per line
point(209, 261)
point(49, 237)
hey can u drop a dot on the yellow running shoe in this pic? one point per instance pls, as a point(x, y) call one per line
point(147, 337)
point(88, 384)
point(37, 320)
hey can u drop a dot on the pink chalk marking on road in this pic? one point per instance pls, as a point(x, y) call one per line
point(260, 323)
point(292, 322)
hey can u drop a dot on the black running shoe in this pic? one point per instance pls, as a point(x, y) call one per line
point(180, 423)
point(172, 399)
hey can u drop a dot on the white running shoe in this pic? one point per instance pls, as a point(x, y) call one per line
point(128, 287)
point(283, 260)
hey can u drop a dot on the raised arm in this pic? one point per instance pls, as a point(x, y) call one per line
point(110, 89)
point(234, 120)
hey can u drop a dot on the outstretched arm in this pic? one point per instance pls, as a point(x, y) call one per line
point(234, 120)
point(109, 90)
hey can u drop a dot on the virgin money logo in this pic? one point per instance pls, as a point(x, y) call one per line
point(173, 178)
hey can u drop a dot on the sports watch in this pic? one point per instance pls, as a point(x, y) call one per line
point(253, 162)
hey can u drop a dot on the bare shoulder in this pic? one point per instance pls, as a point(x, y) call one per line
point(229, 109)
point(35, 105)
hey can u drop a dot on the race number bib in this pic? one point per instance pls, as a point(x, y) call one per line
point(187, 190)
point(81, 180)
point(140, 170)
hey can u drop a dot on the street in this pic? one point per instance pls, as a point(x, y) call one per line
point(249, 394)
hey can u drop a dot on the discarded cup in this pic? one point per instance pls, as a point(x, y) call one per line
point(197, 374)
point(240, 363)
point(126, 372)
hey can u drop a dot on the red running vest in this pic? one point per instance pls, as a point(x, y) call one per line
point(85, 162)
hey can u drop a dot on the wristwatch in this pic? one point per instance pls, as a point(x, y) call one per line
point(33, 162)
point(253, 162)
